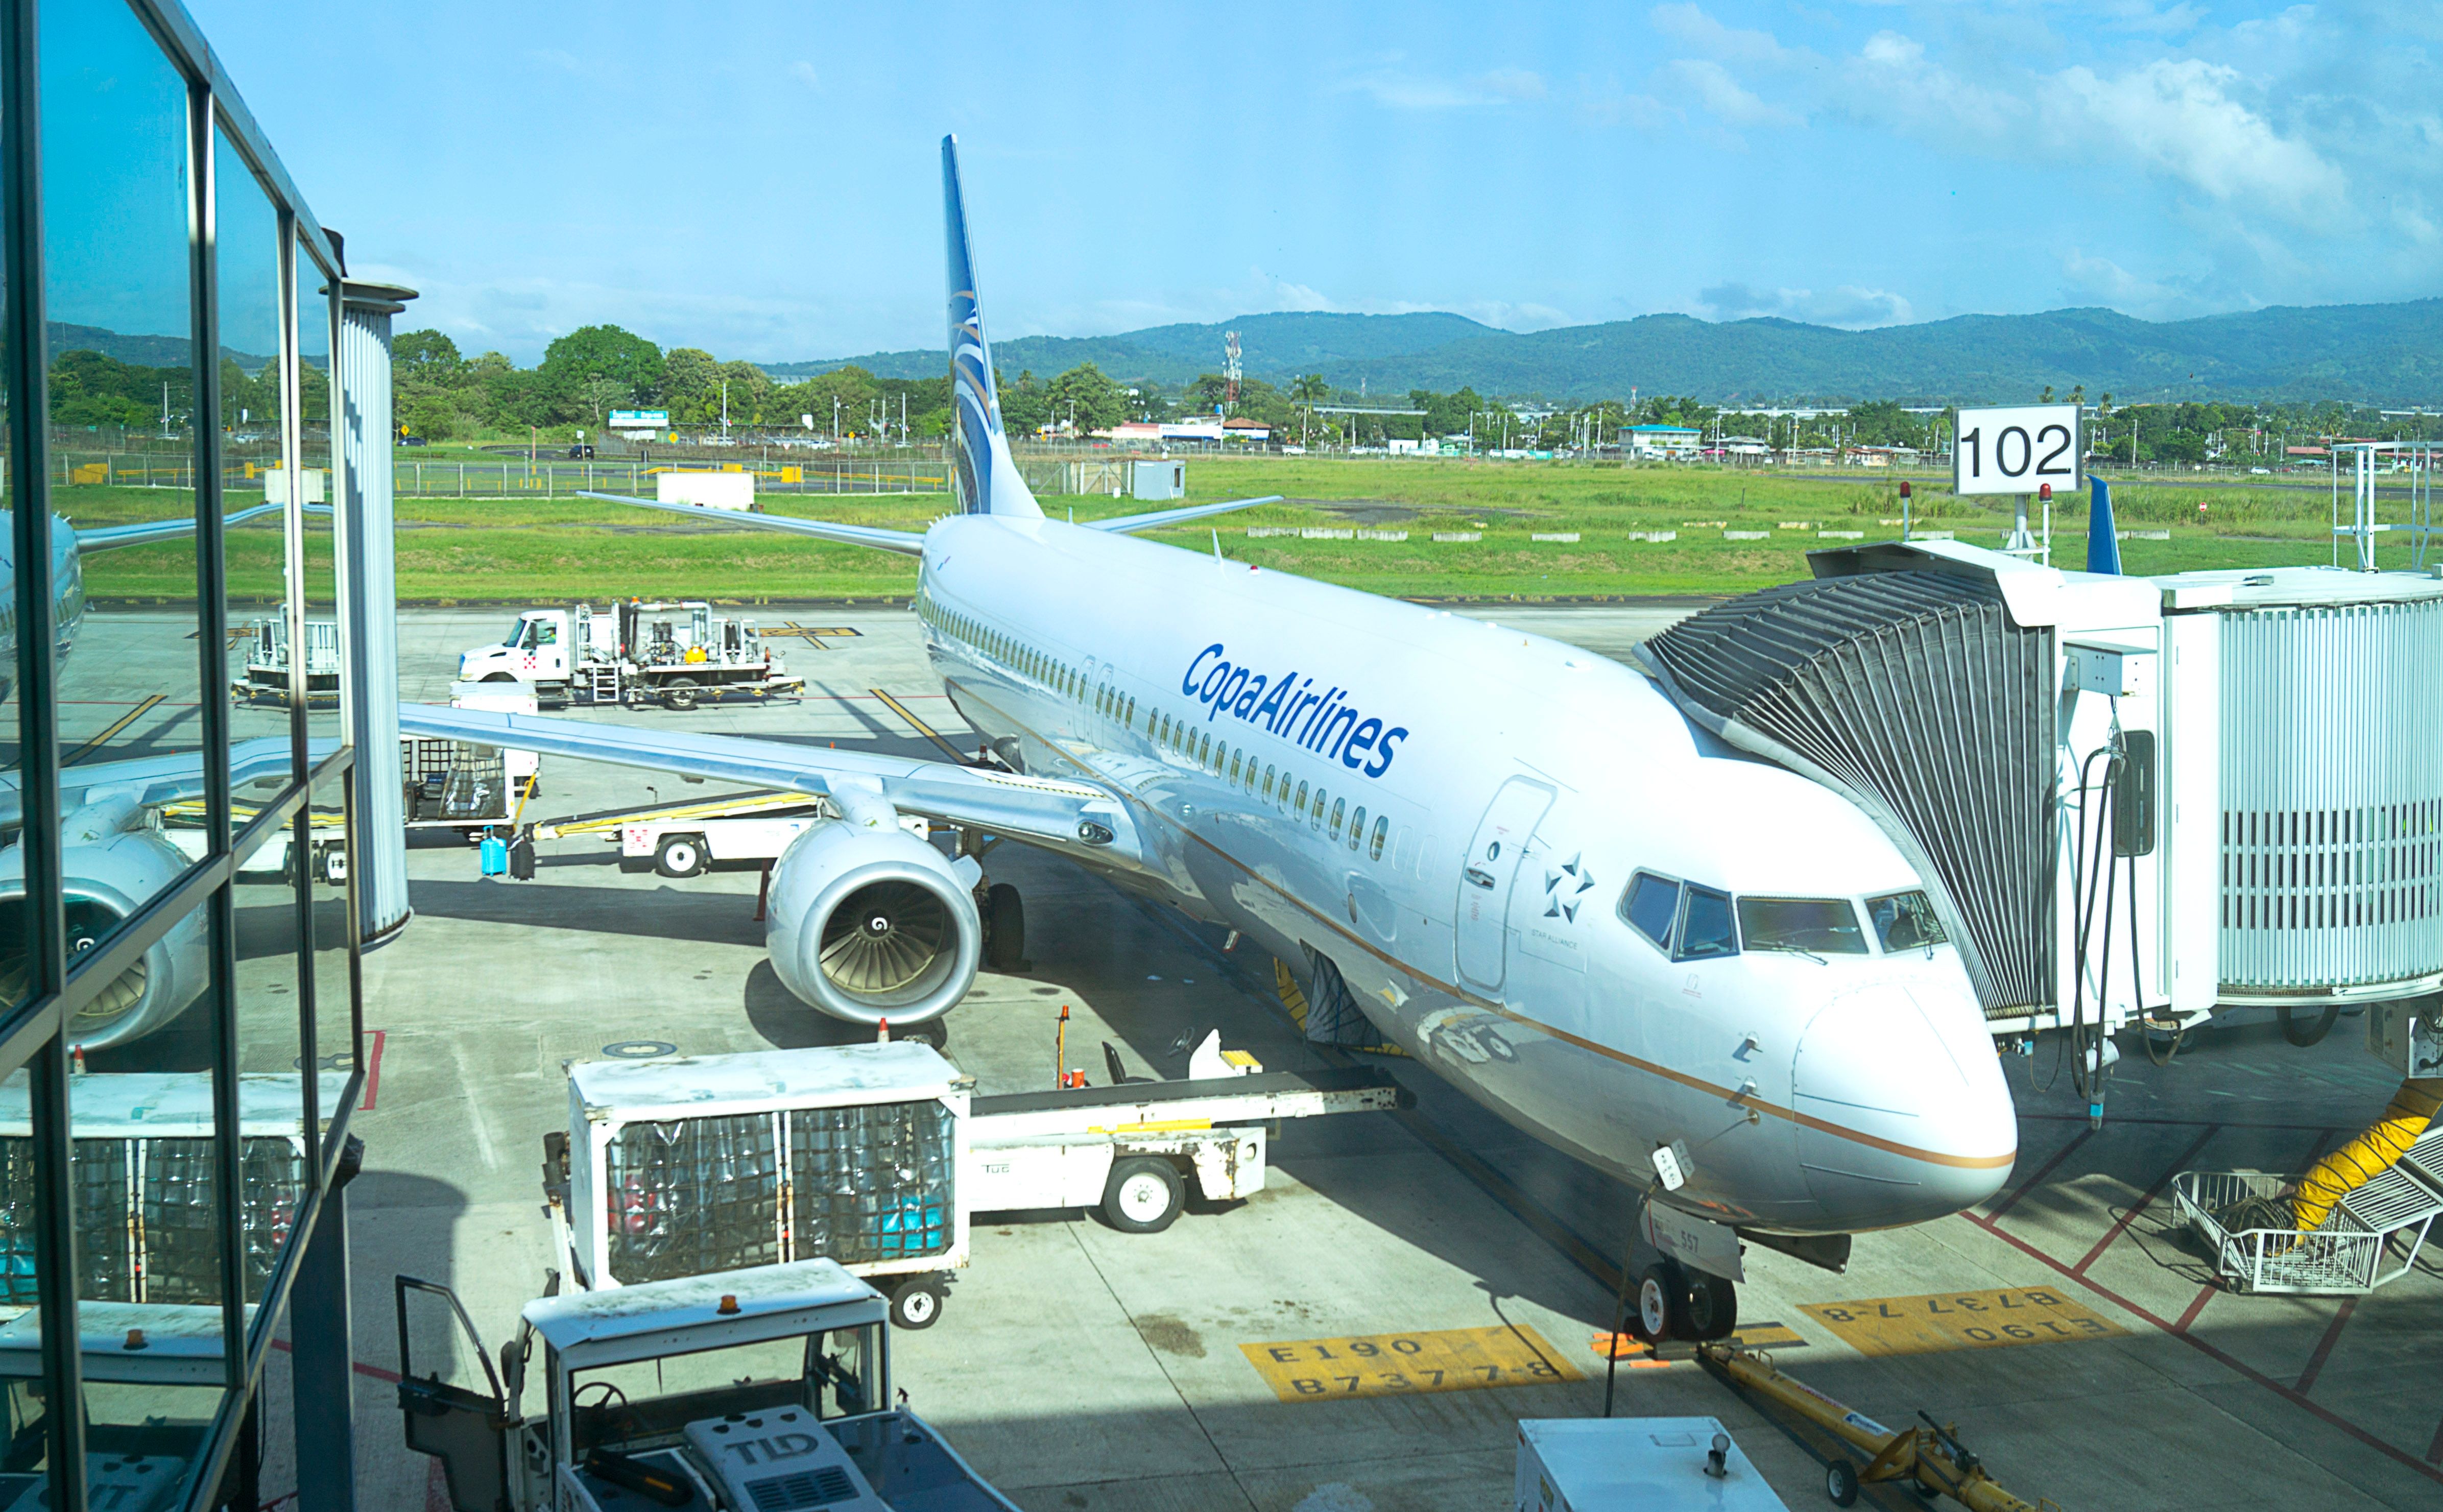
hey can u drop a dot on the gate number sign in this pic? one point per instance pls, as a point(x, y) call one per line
point(2018, 450)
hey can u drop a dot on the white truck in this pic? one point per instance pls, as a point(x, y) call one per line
point(877, 1155)
point(688, 840)
point(765, 1389)
point(674, 655)
point(267, 660)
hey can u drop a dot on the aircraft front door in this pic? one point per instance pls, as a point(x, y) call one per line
point(1485, 876)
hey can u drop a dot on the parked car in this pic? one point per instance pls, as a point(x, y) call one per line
point(413, 440)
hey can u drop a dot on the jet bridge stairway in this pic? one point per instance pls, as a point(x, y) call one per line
point(1916, 695)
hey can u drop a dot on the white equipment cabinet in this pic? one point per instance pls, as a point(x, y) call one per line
point(1635, 1465)
point(876, 1156)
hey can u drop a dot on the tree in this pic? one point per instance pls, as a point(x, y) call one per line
point(592, 352)
point(1085, 396)
point(691, 384)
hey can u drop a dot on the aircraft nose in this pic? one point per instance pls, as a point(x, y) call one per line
point(1904, 1115)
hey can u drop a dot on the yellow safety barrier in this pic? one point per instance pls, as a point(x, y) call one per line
point(93, 472)
point(2369, 1156)
point(793, 474)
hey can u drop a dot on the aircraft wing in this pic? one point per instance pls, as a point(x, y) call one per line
point(149, 531)
point(1068, 813)
point(150, 781)
point(908, 543)
point(1127, 524)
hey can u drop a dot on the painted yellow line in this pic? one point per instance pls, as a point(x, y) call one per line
point(1445, 1359)
point(922, 729)
point(104, 738)
point(1932, 1158)
point(1948, 1320)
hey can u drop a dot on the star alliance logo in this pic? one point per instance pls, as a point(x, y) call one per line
point(1565, 888)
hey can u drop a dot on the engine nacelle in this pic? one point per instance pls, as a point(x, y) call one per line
point(106, 878)
point(869, 924)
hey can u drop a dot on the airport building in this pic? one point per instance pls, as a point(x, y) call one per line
point(182, 859)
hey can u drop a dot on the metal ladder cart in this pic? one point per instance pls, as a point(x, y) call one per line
point(2346, 1256)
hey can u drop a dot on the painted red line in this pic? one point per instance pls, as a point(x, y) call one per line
point(2042, 1171)
point(2205, 1295)
point(2147, 1201)
point(2325, 1345)
point(2239, 1367)
point(358, 1366)
point(372, 1073)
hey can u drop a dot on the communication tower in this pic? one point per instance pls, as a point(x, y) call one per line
point(1230, 368)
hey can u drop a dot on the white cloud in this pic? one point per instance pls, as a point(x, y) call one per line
point(1691, 27)
point(2180, 116)
point(804, 73)
point(1399, 90)
point(1723, 97)
point(1515, 83)
point(1849, 306)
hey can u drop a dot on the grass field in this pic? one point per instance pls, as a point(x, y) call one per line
point(532, 550)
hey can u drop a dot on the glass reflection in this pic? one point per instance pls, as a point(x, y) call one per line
point(319, 591)
point(273, 1056)
point(254, 474)
point(337, 1038)
point(115, 216)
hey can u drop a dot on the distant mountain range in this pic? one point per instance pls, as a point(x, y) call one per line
point(2382, 354)
point(143, 351)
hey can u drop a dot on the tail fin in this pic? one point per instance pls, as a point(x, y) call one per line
point(2102, 534)
point(983, 469)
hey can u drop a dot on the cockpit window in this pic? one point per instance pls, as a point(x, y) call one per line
point(1905, 921)
point(1819, 926)
point(1650, 906)
point(1705, 926)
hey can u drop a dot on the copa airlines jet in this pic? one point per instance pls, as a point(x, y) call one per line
point(114, 858)
point(1521, 860)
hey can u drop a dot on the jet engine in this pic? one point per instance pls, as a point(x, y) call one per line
point(108, 873)
point(867, 923)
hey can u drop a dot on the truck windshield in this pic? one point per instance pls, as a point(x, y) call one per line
point(646, 1403)
point(1816, 926)
point(519, 628)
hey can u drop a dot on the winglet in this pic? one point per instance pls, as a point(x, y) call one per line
point(982, 471)
point(2103, 535)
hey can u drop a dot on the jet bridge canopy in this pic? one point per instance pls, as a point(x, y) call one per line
point(1917, 696)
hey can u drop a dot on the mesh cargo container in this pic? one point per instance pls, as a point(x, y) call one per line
point(686, 1166)
point(143, 1173)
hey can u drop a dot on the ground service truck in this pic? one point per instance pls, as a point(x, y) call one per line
point(674, 655)
point(765, 1389)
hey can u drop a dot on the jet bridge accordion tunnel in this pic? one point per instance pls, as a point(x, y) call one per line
point(2275, 810)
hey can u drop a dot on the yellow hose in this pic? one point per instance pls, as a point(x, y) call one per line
point(2370, 1155)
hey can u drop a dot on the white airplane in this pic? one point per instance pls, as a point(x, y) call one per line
point(114, 858)
point(1517, 859)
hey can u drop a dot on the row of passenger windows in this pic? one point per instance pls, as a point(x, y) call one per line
point(1694, 923)
point(1240, 767)
point(1233, 765)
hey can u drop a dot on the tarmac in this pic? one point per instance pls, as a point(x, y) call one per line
point(1085, 1370)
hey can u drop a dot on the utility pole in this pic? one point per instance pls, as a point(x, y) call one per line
point(725, 412)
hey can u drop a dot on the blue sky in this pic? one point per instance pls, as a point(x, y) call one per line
point(760, 179)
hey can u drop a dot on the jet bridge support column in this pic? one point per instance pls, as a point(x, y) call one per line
point(368, 430)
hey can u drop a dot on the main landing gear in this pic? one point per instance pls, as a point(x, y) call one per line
point(1683, 1303)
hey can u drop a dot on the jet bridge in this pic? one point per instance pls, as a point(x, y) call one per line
point(2130, 795)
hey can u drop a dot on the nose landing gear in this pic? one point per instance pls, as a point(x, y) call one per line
point(1683, 1303)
